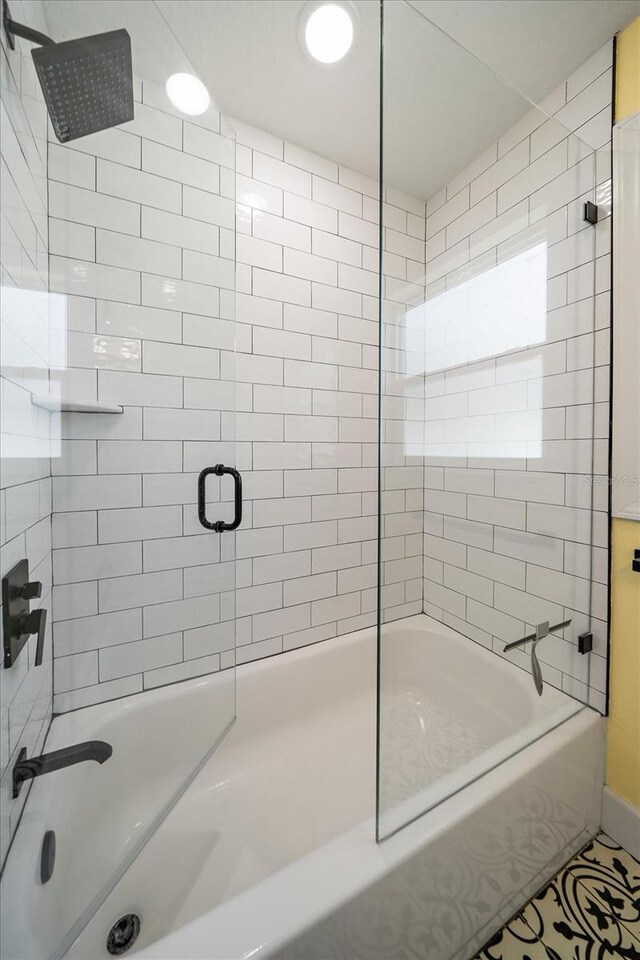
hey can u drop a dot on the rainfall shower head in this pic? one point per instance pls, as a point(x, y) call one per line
point(87, 83)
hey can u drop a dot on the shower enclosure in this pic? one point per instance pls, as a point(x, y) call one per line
point(487, 432)
point(349, 428)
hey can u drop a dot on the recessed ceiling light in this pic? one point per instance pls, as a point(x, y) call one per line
point(187, 93)
point(328, 31)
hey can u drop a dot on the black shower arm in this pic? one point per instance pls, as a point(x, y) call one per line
point(13, 29)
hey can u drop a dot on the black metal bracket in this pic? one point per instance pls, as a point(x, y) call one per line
point(635, 563)
point(13, 30)
point(219, 471)
point(18, 621)
point(585, 642)
point(590, 212)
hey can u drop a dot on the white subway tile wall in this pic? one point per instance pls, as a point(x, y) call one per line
point(27, 351)
point(144, 251)
point(143, 246)
point(516, 415)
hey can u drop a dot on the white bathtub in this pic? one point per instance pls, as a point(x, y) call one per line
point(270, 852)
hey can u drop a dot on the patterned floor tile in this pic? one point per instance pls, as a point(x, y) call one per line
point(574, 924)
point(515, 942)
point(613, 876)
point(590, 911)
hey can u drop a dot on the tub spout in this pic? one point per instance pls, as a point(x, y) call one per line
point(27, 769)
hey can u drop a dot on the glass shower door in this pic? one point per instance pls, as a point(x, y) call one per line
point(147, 493)
point(490, 428)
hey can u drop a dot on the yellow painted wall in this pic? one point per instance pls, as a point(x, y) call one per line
point(623, 754)
point(628, 71)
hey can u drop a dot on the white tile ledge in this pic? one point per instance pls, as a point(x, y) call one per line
point(54, 404)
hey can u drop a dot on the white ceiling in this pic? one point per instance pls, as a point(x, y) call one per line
point(442, 106)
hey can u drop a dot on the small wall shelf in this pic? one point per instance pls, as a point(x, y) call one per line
point(54, 404)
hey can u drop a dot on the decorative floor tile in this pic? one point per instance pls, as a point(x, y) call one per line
point(589, 911)
point(515, 942)
point(573, 922)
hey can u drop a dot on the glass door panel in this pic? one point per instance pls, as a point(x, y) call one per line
point(142, 276)
point(487, 421)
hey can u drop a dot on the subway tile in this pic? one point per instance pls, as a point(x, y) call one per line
point(181, 167)
point(181, 295)
point(335, 608)
point(145, 456)
point(121, 593)
point(278, 230)
point(137, 389)
point(209, 145)
point(141, 523)
point(311, 213)
point(168, 553)
point(93, 209)
point(276, 286)
point(310, 267)
point(125, 659)
point(75, 240)
point(116, 180)
point(184, 231)
point(92, 563)
point(76, 671)
point(85, 279)
point(119, 250)
point(93, 493)
point(179, 615)
point(336, 196)
point(281, 343)
point(298, 373)
point(180, 361)
point(133, 320)
point(509, 164)
point(94, 633)
point(342, 250)
point(71, 167)
point(280, 174)
point(203, 268)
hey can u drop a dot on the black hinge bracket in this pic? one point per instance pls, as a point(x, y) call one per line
point(590, 212)
point(585, 642)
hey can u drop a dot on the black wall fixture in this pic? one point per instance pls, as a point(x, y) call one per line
point(590, 212)
point(87, 83)
point(18, 621)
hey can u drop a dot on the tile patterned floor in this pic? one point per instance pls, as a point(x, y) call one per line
point(589, 911)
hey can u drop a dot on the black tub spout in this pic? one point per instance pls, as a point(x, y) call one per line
point(26, 769)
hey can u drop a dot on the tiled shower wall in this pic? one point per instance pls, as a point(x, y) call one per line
point(25, 356)
point(508, 526)
point(141, 244)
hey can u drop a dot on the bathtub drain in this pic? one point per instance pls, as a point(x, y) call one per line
point(123, 934)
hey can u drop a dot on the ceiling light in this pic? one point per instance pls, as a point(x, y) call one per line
point(187, 93)
point(328, 31)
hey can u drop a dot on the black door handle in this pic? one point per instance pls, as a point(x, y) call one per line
point(219, 525)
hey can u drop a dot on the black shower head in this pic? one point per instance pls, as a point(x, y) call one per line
point(87, 83)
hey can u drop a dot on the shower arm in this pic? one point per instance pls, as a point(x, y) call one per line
point(13, 30)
